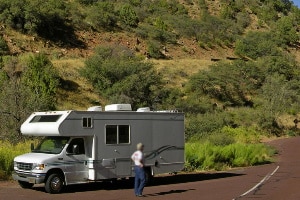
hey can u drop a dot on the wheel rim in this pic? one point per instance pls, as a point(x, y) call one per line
point(56, 183)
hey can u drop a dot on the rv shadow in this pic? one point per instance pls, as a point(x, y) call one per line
point(157, 181)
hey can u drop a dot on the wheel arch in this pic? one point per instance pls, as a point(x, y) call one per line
point(56, 171)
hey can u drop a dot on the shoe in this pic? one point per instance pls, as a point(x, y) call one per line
point(139, 195)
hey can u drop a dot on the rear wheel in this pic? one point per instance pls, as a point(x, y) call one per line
point(25, 185)
point(54, 184)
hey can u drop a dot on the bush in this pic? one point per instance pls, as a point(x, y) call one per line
point(154, 50)
point(117, 72)
point(242, 134)
point(257, 44)
point(128, 16)
point(7, 153)
point(33, 89)
point(236, 89)
point(285, 31)
point(101, 15)
point(45, 18)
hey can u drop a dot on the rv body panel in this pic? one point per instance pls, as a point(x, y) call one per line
point(101, 143)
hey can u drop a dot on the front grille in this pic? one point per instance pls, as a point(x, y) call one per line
point(24, 166)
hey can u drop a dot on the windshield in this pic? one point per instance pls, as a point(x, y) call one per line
point(51, 145)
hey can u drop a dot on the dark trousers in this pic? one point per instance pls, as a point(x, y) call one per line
point(139, 180)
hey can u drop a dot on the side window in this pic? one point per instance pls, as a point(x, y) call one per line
point(117, 134)
point(76, 146)
point(111, 134)
point(87, 122)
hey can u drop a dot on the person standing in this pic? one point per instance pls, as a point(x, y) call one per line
point(139, 180)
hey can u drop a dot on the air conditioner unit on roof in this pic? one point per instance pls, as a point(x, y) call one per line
point(118, 107)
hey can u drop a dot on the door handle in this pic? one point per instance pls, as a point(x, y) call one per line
point(60, 158)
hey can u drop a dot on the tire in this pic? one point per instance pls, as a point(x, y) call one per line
point(54, 184)
point(25, 185)
point(148, 176)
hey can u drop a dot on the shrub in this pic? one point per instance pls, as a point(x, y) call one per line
point(242, 134)
point(101, 15)
point(128, 16)
point(154, 50)
point(45, 18)
point(117, 72)
point(257, 44)
point(7, 153)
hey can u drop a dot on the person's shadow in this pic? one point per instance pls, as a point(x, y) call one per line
point(125, 184)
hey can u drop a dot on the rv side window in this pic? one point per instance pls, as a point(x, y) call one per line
point(87, 122)
point(117, 134)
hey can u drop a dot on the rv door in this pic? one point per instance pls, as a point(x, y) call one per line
point(76, 169)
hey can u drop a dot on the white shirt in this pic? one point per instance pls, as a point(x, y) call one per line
point(138, 158)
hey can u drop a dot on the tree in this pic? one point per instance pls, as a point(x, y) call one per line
point(26, 86)
point(121, 77)
point(231, 83)
point(42, 80)
point(277, 97)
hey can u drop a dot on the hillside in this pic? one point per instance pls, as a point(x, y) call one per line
point(181, 39)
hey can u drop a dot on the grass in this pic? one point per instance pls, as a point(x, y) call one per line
point(176, 72)
point(7, 153)
point(227, 148)
point(207, 156)
point(75, 92)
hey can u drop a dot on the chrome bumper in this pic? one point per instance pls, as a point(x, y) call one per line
point(29, 177)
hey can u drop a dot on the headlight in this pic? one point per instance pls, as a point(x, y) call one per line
point(15, 164)
point(37, 166)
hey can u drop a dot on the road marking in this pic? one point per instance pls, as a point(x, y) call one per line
point(267, 177)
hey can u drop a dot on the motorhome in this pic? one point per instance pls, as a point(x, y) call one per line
point(95, 145)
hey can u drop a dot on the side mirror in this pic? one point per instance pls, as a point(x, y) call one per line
point(75, 149)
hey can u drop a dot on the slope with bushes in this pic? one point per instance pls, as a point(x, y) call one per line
point(229, 65)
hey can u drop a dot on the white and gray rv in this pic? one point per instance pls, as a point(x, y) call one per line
point(95, 145)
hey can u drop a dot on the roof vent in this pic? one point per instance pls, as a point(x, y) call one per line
point(118, 107)
point(95, 108)
point(145, 109)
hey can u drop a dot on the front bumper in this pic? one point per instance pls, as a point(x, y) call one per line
point(29, 177)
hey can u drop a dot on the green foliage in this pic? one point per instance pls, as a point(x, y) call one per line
point(3, 47)
point(101, 15)
point(285, 31)
point(45, 18)
point(232, 83)
point(119, 75)
point(207, 30)
point(154, 50)
point(41, 80)
point(22, 92)
point(276, 103)
point(128, 16)
point(242, 134)
point(256, 44)
point(202, 125)
point(206, 156)
point(7, 153)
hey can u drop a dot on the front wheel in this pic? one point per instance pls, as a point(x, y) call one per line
point(25, 185)
point(54, 184)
